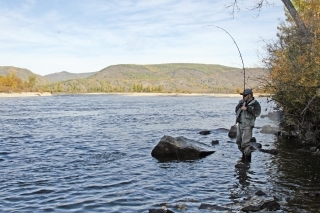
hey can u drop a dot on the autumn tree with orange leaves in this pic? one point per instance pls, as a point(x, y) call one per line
point(294, 72)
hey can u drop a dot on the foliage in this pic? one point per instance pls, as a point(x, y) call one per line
point(11, 83)
point(294, 78)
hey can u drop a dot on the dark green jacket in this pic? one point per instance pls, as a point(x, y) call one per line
point(248, 117)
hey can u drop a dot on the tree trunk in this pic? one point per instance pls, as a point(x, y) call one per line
point(301, 26)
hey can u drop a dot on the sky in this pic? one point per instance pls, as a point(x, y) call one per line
point(78, 36)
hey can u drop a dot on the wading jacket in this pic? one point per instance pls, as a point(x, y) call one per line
point(248, 117)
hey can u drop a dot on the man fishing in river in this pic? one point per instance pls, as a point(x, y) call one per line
point(248, 109)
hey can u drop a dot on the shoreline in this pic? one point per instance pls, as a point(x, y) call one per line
point(23, 94)
point(39, 94)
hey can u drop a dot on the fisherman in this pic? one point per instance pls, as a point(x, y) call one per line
point(248, 109)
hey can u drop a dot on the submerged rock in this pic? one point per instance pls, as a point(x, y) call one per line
point(205, 132)
point(267, 205)
point(270, 206)
point(251, 209)
point(213, 207)
point(270, 151)
point(180, 148)
point(160, 211)
point(215, 142)
point(260, 193)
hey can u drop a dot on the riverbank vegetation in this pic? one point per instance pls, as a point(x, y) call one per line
point(293, 62)
point(12, 83)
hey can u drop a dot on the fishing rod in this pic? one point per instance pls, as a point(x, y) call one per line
point(244, 70)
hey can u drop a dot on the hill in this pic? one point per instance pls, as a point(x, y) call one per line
point(176, 77)
point(179, 77)
point(63, 76)
point(22, 73)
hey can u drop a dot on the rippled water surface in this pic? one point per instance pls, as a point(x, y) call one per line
point(92, 153)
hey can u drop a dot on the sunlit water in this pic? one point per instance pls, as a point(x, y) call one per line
point(92, 153)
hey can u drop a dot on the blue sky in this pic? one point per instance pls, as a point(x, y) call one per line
point(48, 36)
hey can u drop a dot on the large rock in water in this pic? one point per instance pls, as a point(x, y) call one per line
point(267, 129)
point(179, 148)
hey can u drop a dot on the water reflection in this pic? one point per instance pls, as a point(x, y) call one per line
point(242, 174)
point(297, 176)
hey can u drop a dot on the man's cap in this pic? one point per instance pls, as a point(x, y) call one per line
point(246, 92)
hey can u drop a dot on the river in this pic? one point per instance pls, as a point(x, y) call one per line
point(92, 153)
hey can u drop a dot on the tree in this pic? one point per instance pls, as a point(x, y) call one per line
point(291, 9)
point(294, 72)
point(32, 80)
point(11, 82)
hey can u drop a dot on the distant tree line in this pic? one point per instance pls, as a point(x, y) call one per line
point(12, 83)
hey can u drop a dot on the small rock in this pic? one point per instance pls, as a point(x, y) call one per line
point(270, 151)
point(205, 132)
point(271, 205)
point(251, 208)
point(260, 193)
point(214, 142)
point(160, 211)
point(269, 130)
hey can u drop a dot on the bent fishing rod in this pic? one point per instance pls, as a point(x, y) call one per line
point(244, 70)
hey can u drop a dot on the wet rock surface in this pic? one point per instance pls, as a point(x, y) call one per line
point(205, 132)
point(214, 142)
point(270, 151)
point(260, 193)
point(160, 211)
point(180, 148)
point(267, 129)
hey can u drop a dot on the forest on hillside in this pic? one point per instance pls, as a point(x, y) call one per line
point(167, 78)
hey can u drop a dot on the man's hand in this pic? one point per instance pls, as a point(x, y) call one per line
point(244, 108)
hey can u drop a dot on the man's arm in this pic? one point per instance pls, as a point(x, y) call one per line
point(254, 109)
point(239, 106)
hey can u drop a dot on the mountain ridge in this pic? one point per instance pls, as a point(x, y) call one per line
point(170, 77)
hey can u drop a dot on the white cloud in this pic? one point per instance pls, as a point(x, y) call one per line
point(86, 36)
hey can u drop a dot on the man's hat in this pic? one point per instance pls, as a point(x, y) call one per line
point(246, 92)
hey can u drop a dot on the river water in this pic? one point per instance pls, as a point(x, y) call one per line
point(92, 153)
